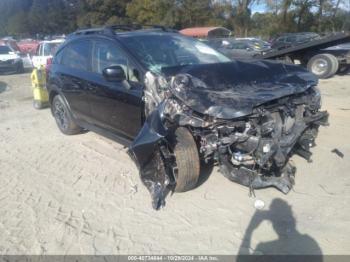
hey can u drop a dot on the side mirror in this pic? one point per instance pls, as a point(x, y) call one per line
point(114, 74)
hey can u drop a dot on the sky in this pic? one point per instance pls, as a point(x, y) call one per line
point(261, 7)
point(258, 8)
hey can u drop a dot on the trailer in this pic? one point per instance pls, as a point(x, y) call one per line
point(316, 55)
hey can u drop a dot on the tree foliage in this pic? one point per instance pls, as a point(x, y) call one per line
point(45, 17)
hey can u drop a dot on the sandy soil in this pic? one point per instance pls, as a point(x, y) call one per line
point(82, 194)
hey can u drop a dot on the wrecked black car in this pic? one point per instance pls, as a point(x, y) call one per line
point(177, 102)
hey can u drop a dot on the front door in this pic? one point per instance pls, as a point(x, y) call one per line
point(116, 106)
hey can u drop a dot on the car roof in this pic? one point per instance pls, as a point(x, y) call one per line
point(145, 32)
point(123, 31)
point(56, 41)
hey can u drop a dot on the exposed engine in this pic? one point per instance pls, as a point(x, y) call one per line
point(255, 151)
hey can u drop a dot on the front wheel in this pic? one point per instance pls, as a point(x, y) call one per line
point(187, 160)
point(63, 117)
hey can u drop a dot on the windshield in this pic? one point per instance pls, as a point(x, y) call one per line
point(4, 50)
point(50, 48)
point(159, 51)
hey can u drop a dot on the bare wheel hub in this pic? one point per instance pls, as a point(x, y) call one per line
point(319, 66)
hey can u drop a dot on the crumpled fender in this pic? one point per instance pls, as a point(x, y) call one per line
point(146, 153)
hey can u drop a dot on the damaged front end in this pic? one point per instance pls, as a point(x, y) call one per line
point(249, 125)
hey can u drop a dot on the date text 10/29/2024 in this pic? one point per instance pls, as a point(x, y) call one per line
point(172, 258)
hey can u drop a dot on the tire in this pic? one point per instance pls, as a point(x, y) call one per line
point(63, 117)
point(20, 68)
point(323, 65)
point(335, 64)
point(187, 160)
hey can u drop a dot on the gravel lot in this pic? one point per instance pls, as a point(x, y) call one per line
point(82, 194)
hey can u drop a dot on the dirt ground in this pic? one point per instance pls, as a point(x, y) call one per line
point(82, 194)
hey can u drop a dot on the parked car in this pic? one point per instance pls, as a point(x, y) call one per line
point(10, 61)
point(175, 101)
point(257, 44)
point(13, 44)
point(28, 46)
point(45, 51)
point(235, 49)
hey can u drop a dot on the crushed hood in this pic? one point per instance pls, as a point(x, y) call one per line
point(234, 89)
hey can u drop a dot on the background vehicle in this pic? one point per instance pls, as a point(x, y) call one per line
point(292, 39)
point(175, 101)
point(258, 44)
point(10, 61)
point(233, 48)
point(239, 49)
point(206, 32)
point(320, 56)
point(28, 46)
point(44, 52)
point(26, 60)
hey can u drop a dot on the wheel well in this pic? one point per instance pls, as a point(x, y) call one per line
point(52, 95)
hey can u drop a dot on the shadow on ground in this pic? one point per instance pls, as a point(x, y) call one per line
point(289, 242)
point(344, 70)
point(205, 172)
point(3, 86)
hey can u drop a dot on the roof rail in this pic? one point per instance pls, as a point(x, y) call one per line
point(133, 27)
point(99, 30)
point(111, 29)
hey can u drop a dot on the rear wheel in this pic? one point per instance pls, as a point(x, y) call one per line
point(63, 117)
point(323, 65)
point(187, 160)
point(20, 68)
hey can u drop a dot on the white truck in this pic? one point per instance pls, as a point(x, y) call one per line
point(45, 51)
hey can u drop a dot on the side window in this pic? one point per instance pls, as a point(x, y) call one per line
point(239, 46)
point(106, 54)
point(290, 39)
point(76, 55)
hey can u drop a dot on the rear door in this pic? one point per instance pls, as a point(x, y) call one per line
point(116, 106)
point(74, 72)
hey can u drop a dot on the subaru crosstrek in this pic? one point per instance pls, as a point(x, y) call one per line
point(177, 102)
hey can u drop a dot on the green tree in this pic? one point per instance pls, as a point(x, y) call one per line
point(162, 12)
point(102, 12)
